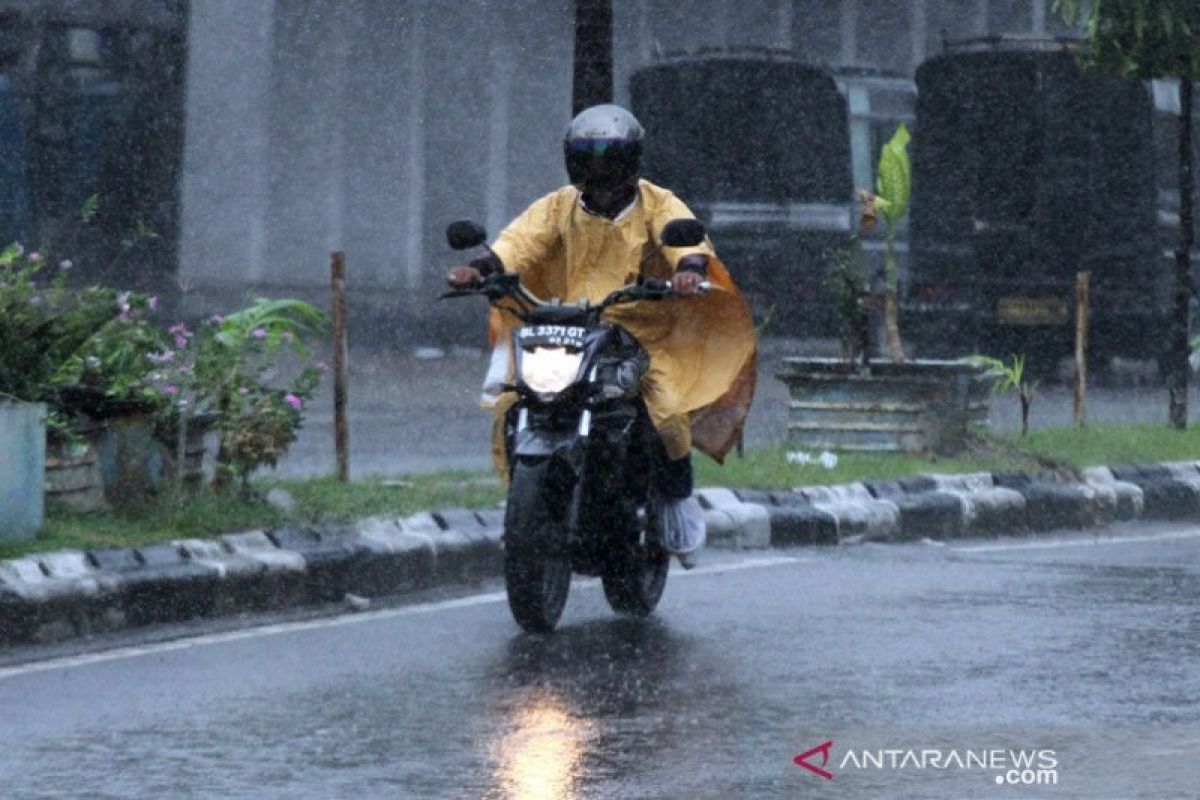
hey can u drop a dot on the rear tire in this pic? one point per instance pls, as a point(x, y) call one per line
point(634, 580)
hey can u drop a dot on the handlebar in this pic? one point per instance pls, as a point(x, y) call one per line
point(507, 285)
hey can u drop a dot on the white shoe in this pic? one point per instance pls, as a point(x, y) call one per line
point(683, 529)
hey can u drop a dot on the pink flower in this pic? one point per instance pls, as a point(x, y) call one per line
point(163, 357)
point(216, 319)
point(152, 303)
point(258, 333)
point(321, 366)
point(181, 341)
point(35, 256)
point(293, 401)
point(170, 390)
point(180, 329)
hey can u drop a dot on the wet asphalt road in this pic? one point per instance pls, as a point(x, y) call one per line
point(410, 414)
point(1088, 647)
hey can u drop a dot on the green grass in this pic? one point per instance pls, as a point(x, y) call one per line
point(207, 514)
point(324, 499)
point(1113, 444)
point(1056, 449)
point(768, 468)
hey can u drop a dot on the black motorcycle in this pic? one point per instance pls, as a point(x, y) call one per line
point(581, 448)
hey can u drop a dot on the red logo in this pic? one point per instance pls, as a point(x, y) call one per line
point(823, 749)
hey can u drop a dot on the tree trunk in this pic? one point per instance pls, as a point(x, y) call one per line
point(593, 77)
point(1178, 348)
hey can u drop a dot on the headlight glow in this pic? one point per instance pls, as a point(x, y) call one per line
point(549, 370)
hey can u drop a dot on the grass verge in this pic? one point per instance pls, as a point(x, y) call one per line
point(324, 499)
point(208, 514)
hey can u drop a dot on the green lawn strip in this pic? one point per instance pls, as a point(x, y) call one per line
point(325, 499)
point(209, 514)
point(1048, 450)
point(769, 468)
point(1112, 444)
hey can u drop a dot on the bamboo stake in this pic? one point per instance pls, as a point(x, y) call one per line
point(1081, 329)
point(341, 377)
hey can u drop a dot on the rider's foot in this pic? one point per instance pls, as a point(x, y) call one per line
point(683, 529)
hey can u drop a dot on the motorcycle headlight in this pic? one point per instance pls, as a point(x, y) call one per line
point(549, 370)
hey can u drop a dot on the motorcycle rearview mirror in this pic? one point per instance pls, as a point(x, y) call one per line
point(683, 232)
point(465, 234)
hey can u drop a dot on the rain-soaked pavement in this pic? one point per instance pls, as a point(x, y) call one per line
point(1081, 653)
point(411, 412)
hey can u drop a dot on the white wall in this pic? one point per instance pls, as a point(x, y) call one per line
point(366, 125)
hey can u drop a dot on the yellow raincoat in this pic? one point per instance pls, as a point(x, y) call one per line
point(702, 349)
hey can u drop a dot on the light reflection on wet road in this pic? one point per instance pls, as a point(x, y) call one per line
point(1090, 651)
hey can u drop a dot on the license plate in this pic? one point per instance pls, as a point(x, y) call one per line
point(1032, 311)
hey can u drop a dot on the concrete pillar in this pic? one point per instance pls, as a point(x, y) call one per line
point(223, 187)
point(414, 214)
point(645, 35)
point(499, 115)
point(784, 17)
point(849, 32)
point(335, 109)
point(1038, 25)
point(919, 32)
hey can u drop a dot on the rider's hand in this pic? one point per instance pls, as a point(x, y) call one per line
point(687, 283)
point(463, 277)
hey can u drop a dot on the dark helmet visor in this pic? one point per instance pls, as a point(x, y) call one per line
point(603, 161)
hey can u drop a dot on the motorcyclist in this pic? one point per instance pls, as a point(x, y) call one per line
point(587, 239)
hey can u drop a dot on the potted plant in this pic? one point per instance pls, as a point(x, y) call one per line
point(41, 323)
point(863, 403)
point(106, 394)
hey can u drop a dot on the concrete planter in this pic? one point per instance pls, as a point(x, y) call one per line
point(917, 406)
point(22, 469)
point(122, 458)
point(73, 477)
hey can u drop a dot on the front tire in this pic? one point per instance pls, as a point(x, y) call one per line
point(537, 588)
point(537, 571)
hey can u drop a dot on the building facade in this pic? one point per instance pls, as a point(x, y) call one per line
point(367, 125)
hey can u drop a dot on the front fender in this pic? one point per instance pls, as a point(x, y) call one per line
point(538, 442)
point(536, 514)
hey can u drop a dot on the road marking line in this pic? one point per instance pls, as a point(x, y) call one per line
point(120, 653)
point(1154, 537)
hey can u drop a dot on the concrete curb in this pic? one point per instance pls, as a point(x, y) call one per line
point(976, 504)
point(60, 595)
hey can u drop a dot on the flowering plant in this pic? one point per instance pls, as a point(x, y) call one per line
point(117, 358)
point(60, 345)
point(231, 365)
point(52, 336)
